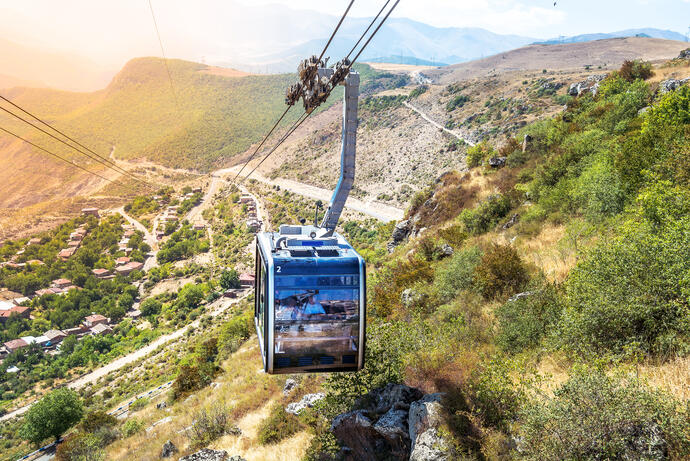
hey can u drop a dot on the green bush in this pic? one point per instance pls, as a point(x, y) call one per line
point(81, 447)
point(486, 214)
point(279, 425)
point(524, 322)
point(599, 190)
point(97, 419)
point(235, 332)
point(478, 153)
point(457, 274)
point(594, 416)
point(636, 70)
point(132, 426)
point(632, 291)
point(52, 416)
point(210, 423)
point(500, 272)
point(456, 102)
point(493, 396)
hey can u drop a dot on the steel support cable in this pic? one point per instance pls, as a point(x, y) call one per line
point(263, 141)
point(367, 30)
point(374, 33)
point(292, 129)
point(97, 157)
point(165, 60)
point(59, 157)
point(62, 141)
point(336, 29)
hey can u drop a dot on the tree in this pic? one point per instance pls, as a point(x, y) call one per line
point(229, 279)
point(52, 415)
point(150, 306)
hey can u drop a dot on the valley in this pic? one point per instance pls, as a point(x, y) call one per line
point(524, 222)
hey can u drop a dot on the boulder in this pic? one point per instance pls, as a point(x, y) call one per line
point(307, 401)
point(290, 384)
point(522, 295)
point(168, 449)
point(410, 297)
point(207, 455)
point(685, 54)
point(355, 431)
point(511, 222)
point(392, 427)
point(401, 231)
point(393, 395)
point(430, 446)
point(671, 85)
point(161, 405)
point(497, 162)
point(446, 251)
point(425, 413)
point(590, 84)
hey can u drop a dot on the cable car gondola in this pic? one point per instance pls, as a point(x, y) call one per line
point(310, 294)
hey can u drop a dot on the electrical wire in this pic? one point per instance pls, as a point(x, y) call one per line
point(375, 31)
point(58, 156)
point(261, 144)
point(367, 30)
point(292, 129)
point(336, 29)
point(105, 162)
point(165, 60)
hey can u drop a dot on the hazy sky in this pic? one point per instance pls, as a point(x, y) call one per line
point(111, 32)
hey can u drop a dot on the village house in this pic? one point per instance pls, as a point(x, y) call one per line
point(129, 268)
point(76, 331)
point(90, 212)
point(66, 253)
point(197, 190)
point(122, 260)
point(128, 234)
point(8, 295)
point(76, 236)
point(101, 273)
point(21, 311)
point(55, 336)
point(15, 345)
point(134, 314)
point(61, 283)
point(101, 329)
point(73, 243)
point(246, 199)
point(247, 280)
point(46, 291)
point(95, 319)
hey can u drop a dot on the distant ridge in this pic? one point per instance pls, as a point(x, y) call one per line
point(646, 32)
point(409, 60)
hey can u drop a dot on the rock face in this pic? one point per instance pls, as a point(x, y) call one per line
point(424, 420)
point(207, 455)
point(446, 251)
point(672, 85)
point(168, 450)
point(397, 422)
point(590, 84)
point(307, 401)
point(400, 233)
point(511, 222)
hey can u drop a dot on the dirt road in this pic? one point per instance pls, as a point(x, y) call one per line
point(149, 238)
point(376, 210)
point(438, 125)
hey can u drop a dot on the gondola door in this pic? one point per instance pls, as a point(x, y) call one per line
point(261, 305)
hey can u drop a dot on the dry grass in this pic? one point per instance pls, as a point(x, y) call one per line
point(673, 376)
point(546, 254)
point(244, 389)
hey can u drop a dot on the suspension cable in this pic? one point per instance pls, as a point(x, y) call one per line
point(336, 29)
point(375, 31)
point(59, 157)
point(367, 30)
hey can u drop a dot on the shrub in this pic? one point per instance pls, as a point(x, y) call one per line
point(278, 426)
point(418, 91)
point(132, 426)
point(210, 424)
point(139, 404)
point(636, 70)
point(229, 279)
point(81, 447)
point(523, 322)
point(457, 274)
point(97, 419)
point(456, 102)
point(594, 416)
point(478, 153)
point(599, 190)
point(486, 214)
point(500, 272)
point(493, 396)
point(633, 290)
point(234, 332)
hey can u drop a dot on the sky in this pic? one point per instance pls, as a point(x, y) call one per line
point(111, 32)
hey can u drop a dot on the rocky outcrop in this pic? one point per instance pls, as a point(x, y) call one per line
point(497, 162)
point(511, 222)
point(591, 84)
point(446, 251)
point(672, 85)
point(208, 455)
point(289, 386)
point(307, 401)
point(400, 232)
point(685, 54)
point(394, 422)
point(411, 298)
point(424, 420)
point(168, 449)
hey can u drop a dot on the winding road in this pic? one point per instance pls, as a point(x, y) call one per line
point(438, 125)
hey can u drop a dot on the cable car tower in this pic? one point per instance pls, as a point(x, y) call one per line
point(310, 298)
